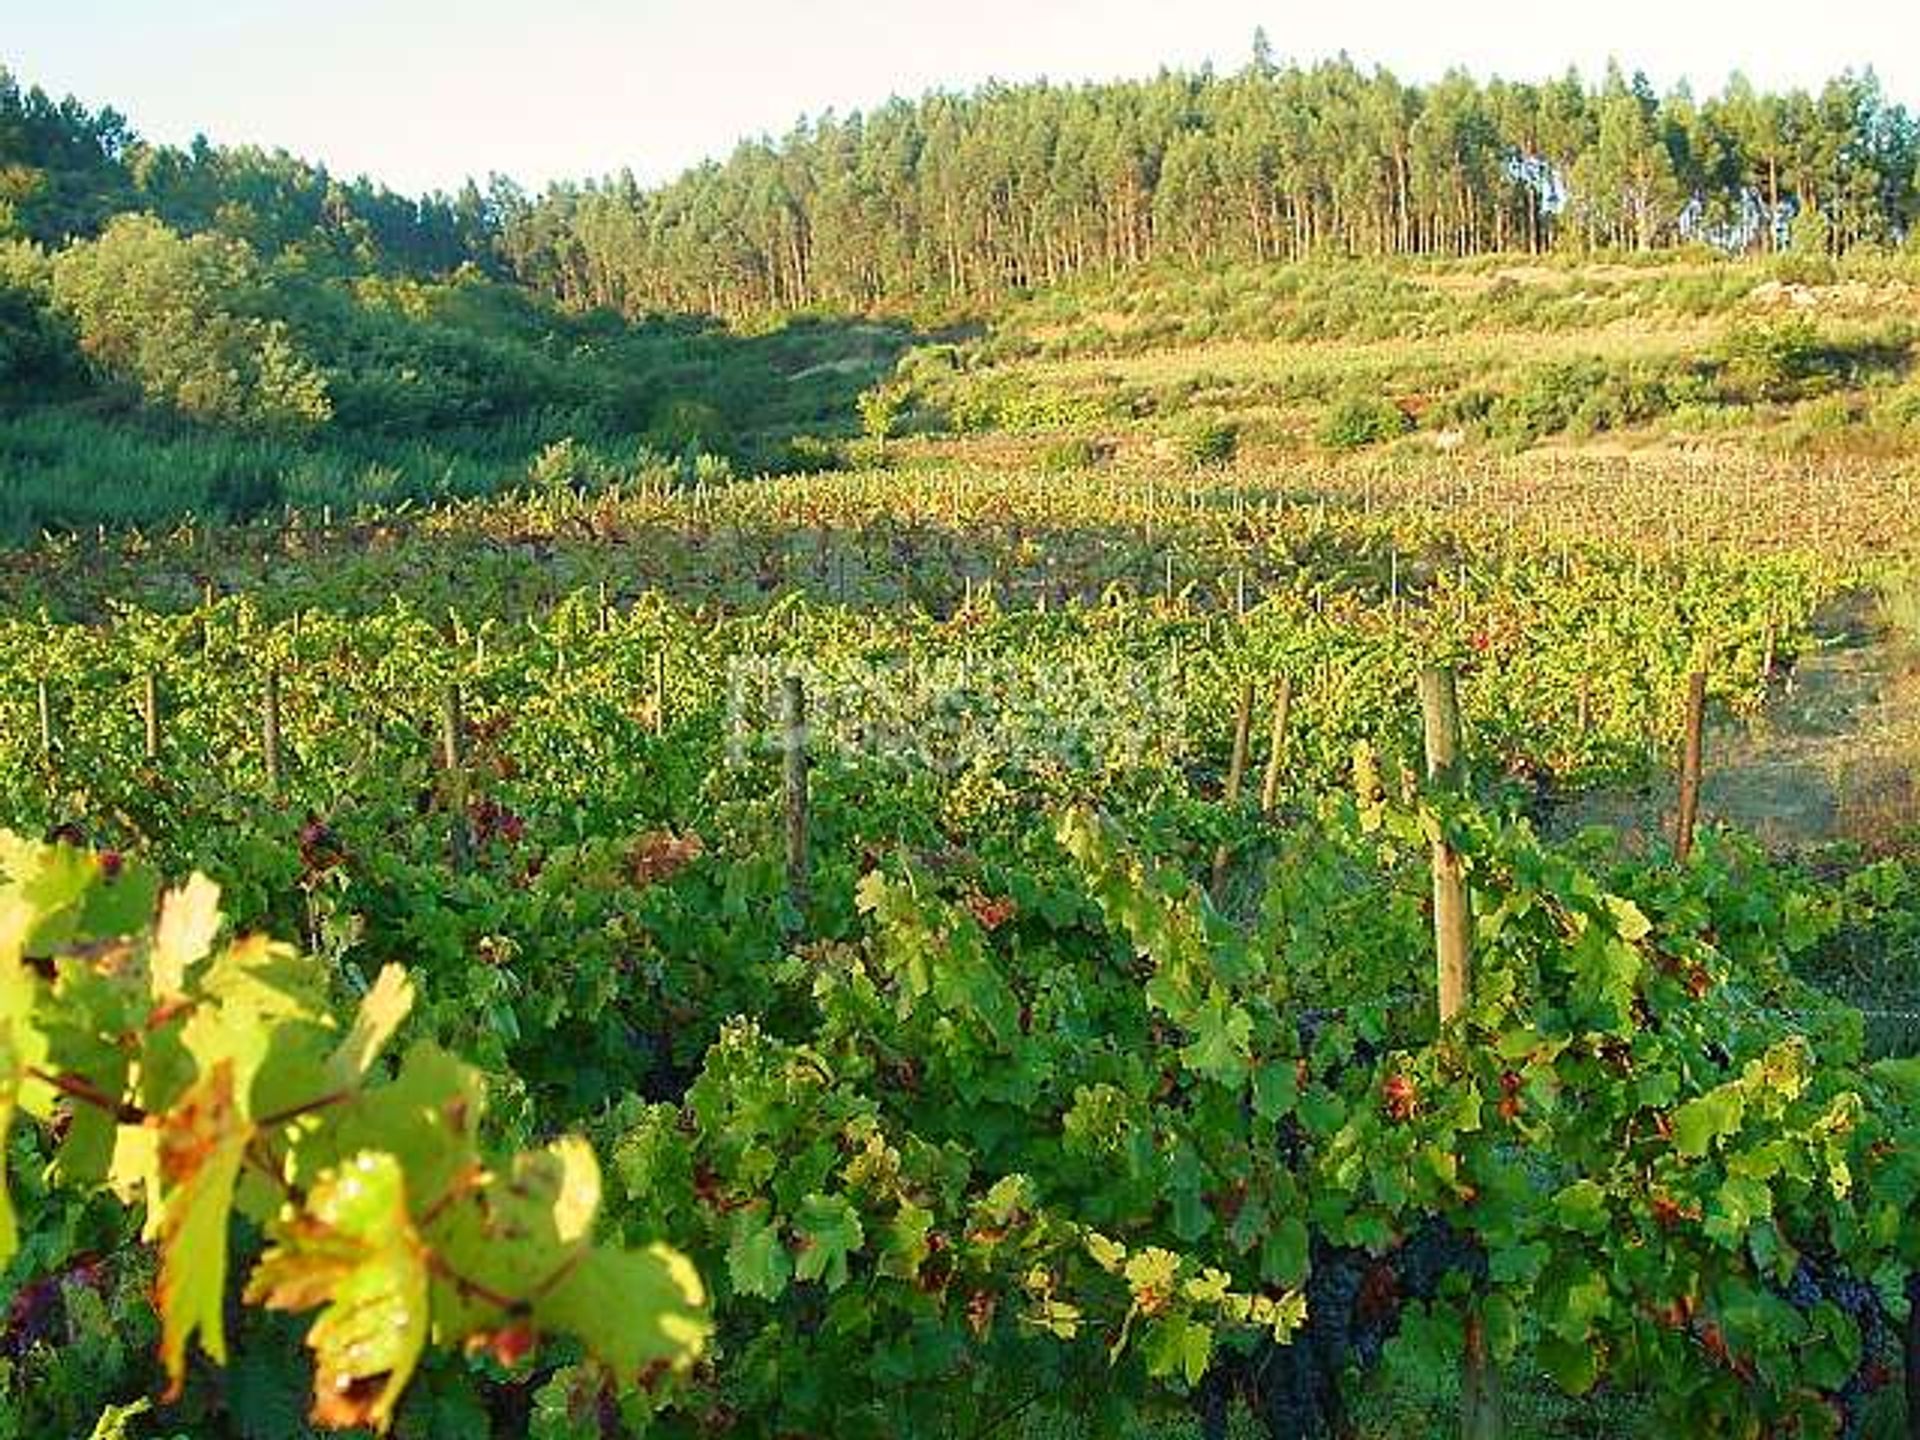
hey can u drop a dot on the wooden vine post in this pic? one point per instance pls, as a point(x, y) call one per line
point(660, 692)
point(270, 732)
point(794, 745)
point(1452, 918)
point(1236, 777)
point(1480, 1408)
point(1276, 744)
point(452, 723)
point(1689, 810)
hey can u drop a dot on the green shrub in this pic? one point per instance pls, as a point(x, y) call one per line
point(567, 465)
point(810, 455)
point(174, 318)
point(1360, 419)
point(1462, 410)
point(1066, 456)
point(1210, 444)
point(1771, 360)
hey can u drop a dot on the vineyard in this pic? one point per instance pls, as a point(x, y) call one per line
point(948, 951)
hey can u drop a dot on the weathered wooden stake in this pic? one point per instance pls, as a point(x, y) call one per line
point(452, 723)
point(1480, 1415)
point(660, 692)
point(794, 717)
point(1689, 810)
point(44, 697)
point(1452, 919)
point(1276, 744)
point(270, 733)
point(1236, 776)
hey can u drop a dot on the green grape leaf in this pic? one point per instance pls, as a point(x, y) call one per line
point(428, 1118)
point(39, 905)
point(506, 1232)
point(632, 1309)
point(261, 1002)
point(1713, 1116)
point(201, 1144)
point(906, 1246)
point(830, 1230)
point(1276, 1089)
point(757, 1261)
point(1222, 1035)
point(353, 1250)
point(1582, 1206)
point(1178, 1345)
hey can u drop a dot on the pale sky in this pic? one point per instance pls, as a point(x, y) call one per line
point(422, 93)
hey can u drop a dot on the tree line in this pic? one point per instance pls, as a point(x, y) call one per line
point(964, 197)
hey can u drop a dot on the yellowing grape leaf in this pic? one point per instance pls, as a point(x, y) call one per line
point(189, 921)
point(202, 1142)
point(382, 1009)
point(39, 903)
point(511, 1230)
point(21, 1048)
point(631, 1308)
point(578, 1199)
point(428, 1118)
point(353, 1250)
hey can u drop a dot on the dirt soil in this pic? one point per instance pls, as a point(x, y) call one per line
point(1834, 755)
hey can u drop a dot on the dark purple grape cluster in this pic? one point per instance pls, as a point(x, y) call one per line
point(1818, 1278)
point(1354, 1302)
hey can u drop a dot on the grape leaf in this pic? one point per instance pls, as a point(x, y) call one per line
point(353, 1250)
point(189, 921)
point(630, 1308)
point(382, 1009)
point(1713, 1116)
point(829, 1230)
point(202, 1142)
point(757, 1262)
point(21, 1048)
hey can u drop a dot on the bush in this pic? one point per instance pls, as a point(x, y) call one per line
point(1462, 410)
point(810, 455)
point(567, 465)
point(1210, 444)
point(1771, 360)
point(1066, 456)
point(1901, 410)
point(1359, 419)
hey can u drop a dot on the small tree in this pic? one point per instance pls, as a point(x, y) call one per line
point(880, 407)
